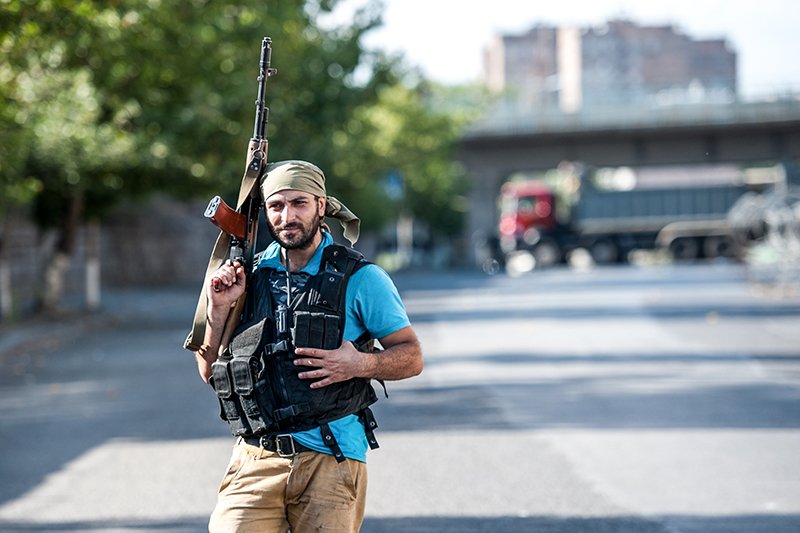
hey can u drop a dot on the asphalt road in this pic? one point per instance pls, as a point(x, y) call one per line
point(620, 399)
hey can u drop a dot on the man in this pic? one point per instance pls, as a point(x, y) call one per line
point(293, 383)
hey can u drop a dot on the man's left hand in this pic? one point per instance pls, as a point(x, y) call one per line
point(331, 366)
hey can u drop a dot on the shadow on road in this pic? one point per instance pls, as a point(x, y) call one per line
point(547, 524)
point(544, 524)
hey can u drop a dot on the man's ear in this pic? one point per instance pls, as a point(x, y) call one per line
point(323, 202)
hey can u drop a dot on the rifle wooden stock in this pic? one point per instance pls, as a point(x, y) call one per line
point(226, 218)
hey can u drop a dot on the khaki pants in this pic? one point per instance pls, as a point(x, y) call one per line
point(264, 492)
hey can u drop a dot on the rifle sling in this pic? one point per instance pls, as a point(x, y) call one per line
point(256, 162)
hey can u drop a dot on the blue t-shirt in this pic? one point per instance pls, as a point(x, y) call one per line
point(372, 304)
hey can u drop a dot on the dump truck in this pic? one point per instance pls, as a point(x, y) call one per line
point(689, 221)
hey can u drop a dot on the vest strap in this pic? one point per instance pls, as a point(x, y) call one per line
point(330, 442)
point(370, 425)
point(290, 411)
point(276, 347)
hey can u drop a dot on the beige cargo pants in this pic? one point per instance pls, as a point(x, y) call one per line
point(263, 492)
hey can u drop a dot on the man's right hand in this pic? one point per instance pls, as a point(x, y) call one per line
point(226, 285)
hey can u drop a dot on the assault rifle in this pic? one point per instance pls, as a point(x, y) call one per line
point(239, 226)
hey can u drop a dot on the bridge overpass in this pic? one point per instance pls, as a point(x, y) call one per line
point(510, 142)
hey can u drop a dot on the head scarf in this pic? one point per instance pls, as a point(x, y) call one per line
point(303, 176)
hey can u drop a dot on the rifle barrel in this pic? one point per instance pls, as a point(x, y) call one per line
point(264, 72)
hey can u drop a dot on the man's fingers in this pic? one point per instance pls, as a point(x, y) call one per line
point(307, 361)
point(307, 352)
point(228, 275)
point(322, 383)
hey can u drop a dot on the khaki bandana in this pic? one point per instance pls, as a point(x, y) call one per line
point(303, 176)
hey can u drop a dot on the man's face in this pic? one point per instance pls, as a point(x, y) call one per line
point(294, 218)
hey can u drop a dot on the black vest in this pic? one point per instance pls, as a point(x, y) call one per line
point(256, 379)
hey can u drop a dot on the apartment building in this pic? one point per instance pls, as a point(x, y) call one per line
point(619, 63)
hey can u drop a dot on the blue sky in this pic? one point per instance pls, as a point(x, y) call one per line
point(446, 37)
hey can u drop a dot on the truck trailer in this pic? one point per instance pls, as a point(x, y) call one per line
point(689, 221)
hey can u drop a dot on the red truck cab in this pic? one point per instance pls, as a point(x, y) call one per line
point(526, 210)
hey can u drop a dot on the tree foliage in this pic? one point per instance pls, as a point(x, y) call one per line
point(403, 136)
point(110, 99)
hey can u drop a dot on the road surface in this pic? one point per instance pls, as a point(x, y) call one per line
point(618, 399)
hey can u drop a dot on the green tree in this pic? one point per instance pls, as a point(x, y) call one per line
point(405, 132)
point(46, 120)
point(108, 100)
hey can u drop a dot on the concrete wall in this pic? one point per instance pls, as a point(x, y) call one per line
point(158, 242)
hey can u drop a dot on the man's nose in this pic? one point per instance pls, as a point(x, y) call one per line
point(288, 214)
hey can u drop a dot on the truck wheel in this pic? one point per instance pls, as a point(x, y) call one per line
point(718, 247)
point(684, 249)
point(547, 253)
point(604, 251)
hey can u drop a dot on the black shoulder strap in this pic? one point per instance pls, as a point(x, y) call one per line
point(259, 295)
point(342, 259)
point(337, 265)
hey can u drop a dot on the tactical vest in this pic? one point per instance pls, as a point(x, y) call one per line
point(256, 379)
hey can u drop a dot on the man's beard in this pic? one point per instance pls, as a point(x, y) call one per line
point(303, 237)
